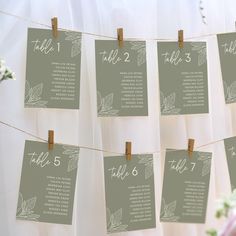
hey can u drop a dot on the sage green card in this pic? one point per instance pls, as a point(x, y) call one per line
point(230, 149)
point(185, 186)
point(53, 69)
point(227, 52)
point(121, 77)
point(183, 78)
point(47, 183)
point(130, 196)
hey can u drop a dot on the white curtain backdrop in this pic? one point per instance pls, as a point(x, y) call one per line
point(140, 19)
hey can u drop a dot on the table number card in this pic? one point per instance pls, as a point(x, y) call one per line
point(185, 187)
point(121, 78)
point(53, 69)
point(230, 149)
point(47, 184)
point(183, 78)
point(227, 51)
point(130, 197)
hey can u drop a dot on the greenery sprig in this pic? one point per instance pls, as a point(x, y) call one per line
point(5, 72)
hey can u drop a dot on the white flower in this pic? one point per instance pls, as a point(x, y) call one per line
point(13, 76)
point(2, 71)
point(5, 72)
point(2, 62)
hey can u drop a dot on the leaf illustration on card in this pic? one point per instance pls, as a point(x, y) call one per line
point(168, 104)
point(108, 101)
point(75, 38)
point(206, 167)
point(168, 211)
point(75, 50)
point(148, 162)
point(20, 201)
point(108, 216)
point(69, 150)
point(99, 101)
point(162, 98)
point(27, 88)
point(104, 105)
point(36, 92)
point(200, 47)
point(30, 204)
point(232, 152)
point(71, 36)
point(73, 163)
point(206, 159)
point(25, 208)
point(114, 221)
point(73, 154)
point(226, 89)
point(33, 95)
point(140, 48)
point(230, 92)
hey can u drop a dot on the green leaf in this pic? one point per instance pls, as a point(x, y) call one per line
point(148, 171)
point(170, 101)
point(108, 216)
point(36, 92)
point(27, 88)
point(170, 209)
point(211, 232)
point(20, 202)
point(30, 204)
point(141, 58)
point(75, 49)
point(116, 218)
point(72, 36)
point(72, 164)
point(108, 101)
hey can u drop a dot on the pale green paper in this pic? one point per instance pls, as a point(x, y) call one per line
point(230, 149)
point(227, 51)
point(129, 186)
point(121, 77)
point(53, 69)
point(185, 186)
point(183, 78)
point(47, 183)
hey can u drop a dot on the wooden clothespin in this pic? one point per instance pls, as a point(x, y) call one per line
point(54, 27)
point(50, 139)
point(190, 147)
point(120, 37)
point(181, 38)
point(128, 153)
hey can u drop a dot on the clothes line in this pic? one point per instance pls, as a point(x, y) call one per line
point(105, 36)
point(86, 147)
point(103, 150)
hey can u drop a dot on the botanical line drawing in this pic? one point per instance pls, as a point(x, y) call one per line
point(200, 48)
point(140, 48)
point(230, 92)
point(75, 38)
point(114, 221)
point(232, 152)
point(206, 158)
point(105, 105)
point(168, 211)
point(25, 208)
point(168, 104)
point(33, 95)
point(148, 162)
point(73, 153)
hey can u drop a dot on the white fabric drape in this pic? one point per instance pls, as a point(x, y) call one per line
point(139, 18)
